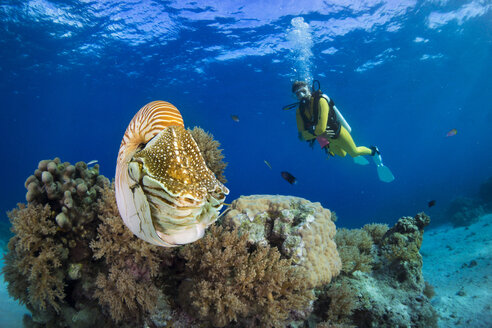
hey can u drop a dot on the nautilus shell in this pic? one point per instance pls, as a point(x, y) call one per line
point(165, 192)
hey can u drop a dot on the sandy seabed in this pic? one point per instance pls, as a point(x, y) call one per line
point(458, 263)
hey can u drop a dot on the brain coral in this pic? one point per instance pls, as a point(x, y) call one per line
point(302, 231)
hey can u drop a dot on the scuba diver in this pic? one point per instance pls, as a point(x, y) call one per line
point(318, 119)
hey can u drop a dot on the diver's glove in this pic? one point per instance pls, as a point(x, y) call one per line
point(306, 135)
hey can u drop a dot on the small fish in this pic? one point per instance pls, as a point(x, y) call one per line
point(92, 162)
point(288, 177)
point(235, 118)
point(431, 203)
point(268, 164)
point(451, 133)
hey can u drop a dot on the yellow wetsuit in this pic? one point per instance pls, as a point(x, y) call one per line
point(341, 145)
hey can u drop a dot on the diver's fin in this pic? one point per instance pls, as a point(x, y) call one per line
point(360, 160)
point(384, 173)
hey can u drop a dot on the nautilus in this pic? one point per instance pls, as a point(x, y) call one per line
point(166, 194)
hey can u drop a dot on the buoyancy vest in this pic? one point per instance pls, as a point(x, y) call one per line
point(333, 121)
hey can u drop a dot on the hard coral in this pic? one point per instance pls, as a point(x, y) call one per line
point(68, 189)
point(210, 152)
point(302, 231)
point(232, 281)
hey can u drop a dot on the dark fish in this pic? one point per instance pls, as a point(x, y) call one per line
point(235, 118)
point(288, 177)
point(431, 203)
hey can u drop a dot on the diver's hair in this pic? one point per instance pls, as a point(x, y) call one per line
point(297, 85)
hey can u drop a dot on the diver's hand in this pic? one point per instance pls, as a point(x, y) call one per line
point(307, 136)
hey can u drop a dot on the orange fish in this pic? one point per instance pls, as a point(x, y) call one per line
point(235, 118)
point(451, 133)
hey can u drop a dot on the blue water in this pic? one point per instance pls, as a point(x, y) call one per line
point(403, 73)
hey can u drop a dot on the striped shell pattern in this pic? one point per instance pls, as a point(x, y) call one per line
point(165, 192)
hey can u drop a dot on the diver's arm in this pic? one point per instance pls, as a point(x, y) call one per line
point(303, 133)
point(322, 116)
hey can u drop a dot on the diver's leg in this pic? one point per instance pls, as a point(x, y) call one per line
point(346, 142)
point(336, 149)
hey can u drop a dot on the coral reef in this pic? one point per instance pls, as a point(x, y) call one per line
point(50, 243)
point(285, 244)
point(89, 272)
point(390, 289)
point(269, 261)
point(71, 260)
point(302, 231)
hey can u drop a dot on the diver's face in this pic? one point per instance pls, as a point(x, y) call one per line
point(302, 93)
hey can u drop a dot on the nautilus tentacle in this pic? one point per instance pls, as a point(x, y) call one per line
point(165, 192)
